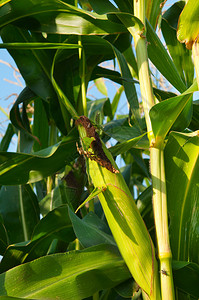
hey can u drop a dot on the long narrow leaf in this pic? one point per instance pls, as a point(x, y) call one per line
point(66, 276)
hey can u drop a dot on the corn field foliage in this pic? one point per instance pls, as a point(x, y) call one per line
point(97, 203)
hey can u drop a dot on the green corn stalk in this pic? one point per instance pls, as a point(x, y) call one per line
point(123, 217)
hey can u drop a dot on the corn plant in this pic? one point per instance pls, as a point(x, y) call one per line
point(75, 224)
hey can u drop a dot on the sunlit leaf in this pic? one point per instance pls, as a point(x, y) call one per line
point(57, 275)
point(188, 28)
point(176, 111)
point(182, 163)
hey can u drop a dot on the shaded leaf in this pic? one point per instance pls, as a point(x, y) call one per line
point(91, 230)
point(186, 277)
point(61, 194)
point(19, 168)
point(40, 125)
point(5, 141)
point(58, 17)
point(3, 237)
point(162, 61)
point(20, 211)
point(35, 67)
point(125, 146)
point(181, 56)
point(55, 225)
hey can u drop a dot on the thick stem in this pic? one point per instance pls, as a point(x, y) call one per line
point(145, 81)
point(161, 222)
point(157, 162)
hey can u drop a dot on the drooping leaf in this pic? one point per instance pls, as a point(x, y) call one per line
point(55, 225)
point(176, 112)
point(182, 163)
point(58, 17)
point(19, 168)
point(66, 276)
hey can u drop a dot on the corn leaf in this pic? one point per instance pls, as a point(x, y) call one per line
point(20, 168)
point(188, 28)
point(57, 275)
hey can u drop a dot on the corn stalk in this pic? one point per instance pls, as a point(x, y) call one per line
point(156, 160)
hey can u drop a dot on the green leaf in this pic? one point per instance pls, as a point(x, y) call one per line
point(125, 146)
point(55, 225)
point(66, 276)
point(176, 111)
point(57, 17)
point(188, 25)
point(162, 61)
point(121, 131)
point(100, 107)
point(101, 86)
point(194, 125)
point(180, 55)
point(19, 168)
point(19, 117)
point(40, 125)
point(93, 194)
point(35, 67)
point(181, 167)
point(38, 46)
point(91, 230)
point(11, 298)
point(3, 2)
point(153, 10)
point(129, 87)
point(61, 194)
point(3, 237)
point(5, 142)
point(20, 211)
point(186, 277)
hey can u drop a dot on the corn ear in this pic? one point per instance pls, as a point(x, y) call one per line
point(125, 222)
